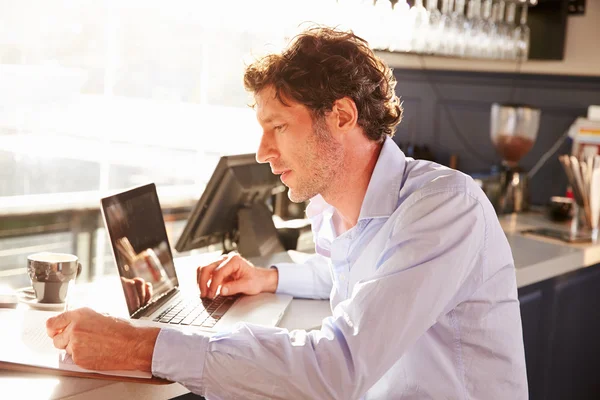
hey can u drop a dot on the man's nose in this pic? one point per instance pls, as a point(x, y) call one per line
point(266, 149)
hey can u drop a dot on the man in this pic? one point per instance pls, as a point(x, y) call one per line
point(418, 270)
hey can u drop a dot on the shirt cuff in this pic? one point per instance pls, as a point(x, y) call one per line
point(179, 357)
point(293, 279)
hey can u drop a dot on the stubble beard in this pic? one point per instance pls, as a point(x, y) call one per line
point(322, 164)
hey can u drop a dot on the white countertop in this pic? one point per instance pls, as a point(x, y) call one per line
point(538, 258)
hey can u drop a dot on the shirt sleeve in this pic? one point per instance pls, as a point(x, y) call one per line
point(435, 247)
point(167, 359)
point(311, 279)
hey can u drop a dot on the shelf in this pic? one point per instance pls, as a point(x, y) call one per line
point(435, 62)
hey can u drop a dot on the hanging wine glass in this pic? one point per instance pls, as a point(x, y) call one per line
point(446, 42)
point(476, 29)
point(521, 36)
point(510, 48)
point(495, 40)
point(382, 28)
point(458, 28)
point(501, 30)
point(434, 27)
point(402, 27)
point(487, 30)
point(420, 25)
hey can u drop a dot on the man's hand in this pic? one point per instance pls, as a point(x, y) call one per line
point(99, 342)
point(235, 275)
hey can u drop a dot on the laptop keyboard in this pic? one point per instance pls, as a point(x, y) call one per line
point(197, 311)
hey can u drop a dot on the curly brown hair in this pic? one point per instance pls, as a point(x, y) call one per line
point(322, 65)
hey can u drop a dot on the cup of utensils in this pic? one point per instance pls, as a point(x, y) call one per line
point(584, 177)
point(52, 276)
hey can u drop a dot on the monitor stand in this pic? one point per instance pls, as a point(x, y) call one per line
point(257, 235)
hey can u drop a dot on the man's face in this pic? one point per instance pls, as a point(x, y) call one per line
point(304, 153)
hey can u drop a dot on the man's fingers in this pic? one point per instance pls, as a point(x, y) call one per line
point(223, 271)
point(61, 340)
point(204, 277)
point(204, 273)
point(58, 323)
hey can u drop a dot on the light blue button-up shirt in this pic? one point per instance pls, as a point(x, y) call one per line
point(423, 295)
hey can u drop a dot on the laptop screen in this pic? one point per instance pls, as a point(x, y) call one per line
point(140, 245)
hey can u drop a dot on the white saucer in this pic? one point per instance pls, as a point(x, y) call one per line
point(26, 298)
point(35, 304)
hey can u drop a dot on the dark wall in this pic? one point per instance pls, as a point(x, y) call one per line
point(450, 111)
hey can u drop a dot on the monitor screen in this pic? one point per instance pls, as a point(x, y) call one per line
point(234, 209)
point(140, 245)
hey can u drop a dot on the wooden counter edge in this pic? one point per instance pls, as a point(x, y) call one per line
point(90, 375)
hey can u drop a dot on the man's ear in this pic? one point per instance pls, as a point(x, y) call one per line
point(345, 114)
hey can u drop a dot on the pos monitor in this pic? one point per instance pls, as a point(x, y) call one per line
point(233, 210)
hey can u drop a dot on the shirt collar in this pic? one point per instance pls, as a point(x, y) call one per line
point(317, 206)
point(382, 193)
point(381, 199)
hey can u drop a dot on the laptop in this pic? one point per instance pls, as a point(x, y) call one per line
point(141, 250)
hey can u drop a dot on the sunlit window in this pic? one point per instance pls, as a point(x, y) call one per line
point(102, 95)
point(99, 95)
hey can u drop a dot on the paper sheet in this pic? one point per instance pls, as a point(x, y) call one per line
point(23, 340)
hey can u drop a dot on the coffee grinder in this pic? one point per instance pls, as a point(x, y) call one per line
point(513, 130)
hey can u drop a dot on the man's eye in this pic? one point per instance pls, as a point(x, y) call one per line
point(279, 128)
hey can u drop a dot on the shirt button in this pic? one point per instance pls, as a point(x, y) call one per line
point(342, 277)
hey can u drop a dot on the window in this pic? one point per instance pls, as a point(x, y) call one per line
point(97, 96)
